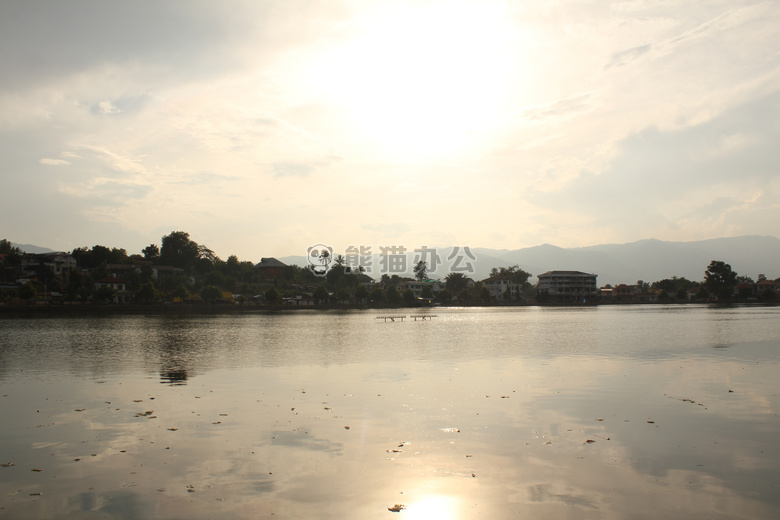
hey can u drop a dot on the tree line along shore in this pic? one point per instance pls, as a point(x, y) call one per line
point(182, 273)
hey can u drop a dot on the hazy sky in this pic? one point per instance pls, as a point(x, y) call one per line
point(264, 127)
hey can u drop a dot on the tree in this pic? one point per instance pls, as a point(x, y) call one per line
point(272, 295)
point(421, 270)
point(321, 295)
point(342, 294)
point(211, 293)
point(513, 273)
point(151, 252)
point(361, 292)
point(392, 294)
point(178, 250)
point(456, 282)
point(105, 294)
point(180, 292)
point(720, 280)
point(27, 291)
point(674, 286)
point(408, 296)
point(8, 249)
point(426, 291)
point(377, 294)
point(147, 293)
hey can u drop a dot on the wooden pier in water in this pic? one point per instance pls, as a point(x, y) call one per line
point(415, 317)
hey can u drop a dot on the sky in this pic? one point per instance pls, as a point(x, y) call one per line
point(264, 127)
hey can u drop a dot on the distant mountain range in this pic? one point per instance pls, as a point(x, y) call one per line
point(29, 248)
point(648, 260)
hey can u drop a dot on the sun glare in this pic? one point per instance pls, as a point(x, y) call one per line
point(433, 507)
point(420, 80)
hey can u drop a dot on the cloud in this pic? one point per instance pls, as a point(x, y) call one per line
point(621, 58)
point(106, 107)
point(53, 162)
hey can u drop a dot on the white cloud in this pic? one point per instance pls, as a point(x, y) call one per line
point(53, 162)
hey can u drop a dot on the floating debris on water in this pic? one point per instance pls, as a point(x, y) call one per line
point(396, 508)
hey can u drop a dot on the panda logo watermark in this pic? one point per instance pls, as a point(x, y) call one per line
point(391, 259)
point(319, 256)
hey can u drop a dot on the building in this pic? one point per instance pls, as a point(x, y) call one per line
point(567, 286)
point(119, 286)
point(417, 286)
point(271, 267)
point(503, 289)
point(624, 293)
point(59, 263)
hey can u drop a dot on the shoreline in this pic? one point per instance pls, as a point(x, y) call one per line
point(56, 310)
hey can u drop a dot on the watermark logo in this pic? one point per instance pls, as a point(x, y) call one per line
point(392, 259)
point(319, 256)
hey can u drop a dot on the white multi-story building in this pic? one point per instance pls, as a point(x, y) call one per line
point(503, 289)
point(567, 285)
point(417, 287)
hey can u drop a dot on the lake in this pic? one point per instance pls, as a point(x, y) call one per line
point(527, 412)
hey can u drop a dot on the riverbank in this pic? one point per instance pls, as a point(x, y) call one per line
point(31, 311)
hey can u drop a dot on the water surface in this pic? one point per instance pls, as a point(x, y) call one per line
point(598, 412)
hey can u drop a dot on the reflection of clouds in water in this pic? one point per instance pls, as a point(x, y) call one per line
point(547, 493)
point(302, 439)
point(115, 506)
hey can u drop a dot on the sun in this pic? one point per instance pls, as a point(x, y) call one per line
point(420, 79)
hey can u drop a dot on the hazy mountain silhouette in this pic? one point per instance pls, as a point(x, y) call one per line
point(648, 260)
point(29, 248)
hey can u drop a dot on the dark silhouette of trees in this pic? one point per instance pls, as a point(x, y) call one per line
point(456, 282)
point(151, 253)
point(321, 295)
point(421, 270)
point(720, 280)
point(211, 293)
point(377, 294)
point(272, 295)
point(179, 251)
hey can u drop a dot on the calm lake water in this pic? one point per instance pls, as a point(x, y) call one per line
point(502, 413)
